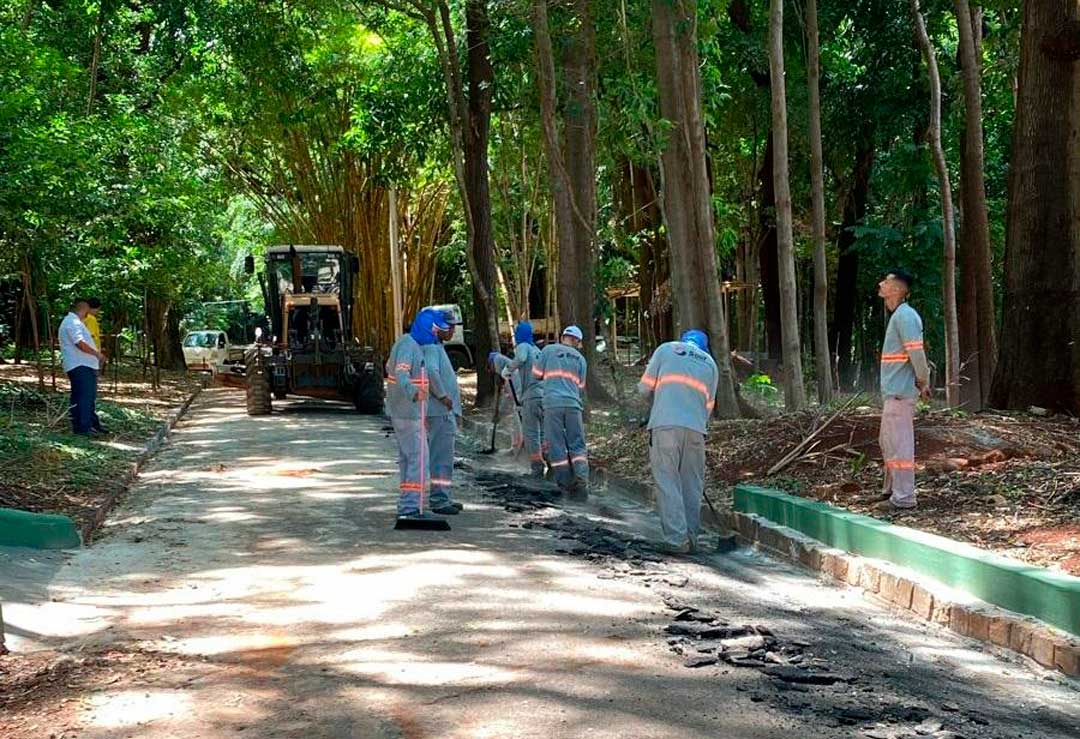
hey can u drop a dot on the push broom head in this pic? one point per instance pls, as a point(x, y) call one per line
point(422, 522)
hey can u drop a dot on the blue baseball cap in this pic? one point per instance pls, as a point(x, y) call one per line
point(696, 337)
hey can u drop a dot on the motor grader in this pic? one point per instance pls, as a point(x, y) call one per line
point(311, 350)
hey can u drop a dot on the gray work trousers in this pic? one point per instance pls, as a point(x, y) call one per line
point(564, 436)
point(532, 421)
point(897, 439)
point(677, 457)
point(413, 461)
point(441, 437)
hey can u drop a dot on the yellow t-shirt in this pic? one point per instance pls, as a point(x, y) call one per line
point(94, 328)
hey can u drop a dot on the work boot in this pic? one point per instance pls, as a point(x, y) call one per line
point(457, 505)
point(888, 506)
point(667, 548)
point(446, 510)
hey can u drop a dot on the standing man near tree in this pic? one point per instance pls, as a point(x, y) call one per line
point(681, 379)
point(93, 325)
point(905, 376)
point(81, 361)
point(562, 370)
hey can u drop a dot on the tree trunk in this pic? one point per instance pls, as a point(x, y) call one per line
point(1039, 356)
point(481, 88)
point(686, 202)
point(768, 259)
point(794, 389)
point(31, 312)
point(95, 56)
point(822, 355)
point(847, 270)
point(948, 270)
point(978, 350)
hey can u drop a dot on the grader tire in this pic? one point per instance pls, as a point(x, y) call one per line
point(258, 391)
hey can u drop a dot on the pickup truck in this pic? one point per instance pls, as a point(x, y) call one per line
point(210, 351)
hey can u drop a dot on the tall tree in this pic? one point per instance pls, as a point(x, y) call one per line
point(1039, 356)
point(794, 389)
point(948, 271)
point(686, 203)
point(571, 159)
point(822, 358)
point(978, 350)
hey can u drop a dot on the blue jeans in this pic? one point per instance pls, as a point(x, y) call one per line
point(83, 399)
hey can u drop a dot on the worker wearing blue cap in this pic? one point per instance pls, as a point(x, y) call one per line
point(525, 364)
point(407, 398)
point(562, 370)
point(444, 413)
point(681, 380)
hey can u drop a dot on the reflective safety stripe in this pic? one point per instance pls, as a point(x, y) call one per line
point(913, 345)
point(561, 464)
point(537, 372)
point(899, 464)
point(412, 486)
point(405, 366)
point(690, 382)
point(441, 481)
point(579, 459)
point(564, 375)
point(536, 457)
point(391, 380)
point(648, 380)
point(893, 358)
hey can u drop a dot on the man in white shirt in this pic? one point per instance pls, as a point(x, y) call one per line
point(82, 360)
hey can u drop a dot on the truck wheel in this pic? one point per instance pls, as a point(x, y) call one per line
point(258, 391)
point(368, 395)
point(459, 359)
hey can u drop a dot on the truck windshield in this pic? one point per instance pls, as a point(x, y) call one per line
point(205, 340)
point(319, 273)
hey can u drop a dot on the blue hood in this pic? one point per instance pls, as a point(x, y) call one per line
point(424, 325)
point(523, 333)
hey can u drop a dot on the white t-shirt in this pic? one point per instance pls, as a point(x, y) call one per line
point(72, 331)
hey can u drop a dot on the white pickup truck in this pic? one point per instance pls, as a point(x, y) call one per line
point(207, 351)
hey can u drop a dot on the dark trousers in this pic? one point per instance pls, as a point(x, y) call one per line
point(83, 399)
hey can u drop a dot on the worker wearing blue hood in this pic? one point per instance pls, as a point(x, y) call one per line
point(444, 412)
point(526, 357)
point(680, 380)
point(407, 397)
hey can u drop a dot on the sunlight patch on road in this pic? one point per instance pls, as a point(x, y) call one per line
point(136, 708)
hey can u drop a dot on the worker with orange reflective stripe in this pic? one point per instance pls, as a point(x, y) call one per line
point(681, 380)
point(406, 403)
point(562, 370)
point(443, 413)
point(905, 375)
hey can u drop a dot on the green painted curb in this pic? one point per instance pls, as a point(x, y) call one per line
point(37, 530)
point(1035, 591)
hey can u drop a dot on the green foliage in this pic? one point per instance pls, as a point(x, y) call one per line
point(761, 386)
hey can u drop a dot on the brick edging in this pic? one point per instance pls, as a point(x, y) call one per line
point(145, 455)
point(896, 586)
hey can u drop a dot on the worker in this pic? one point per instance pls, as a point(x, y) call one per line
point(562, 370)
point(526, 359)
point(509, 386)
point(407, 405)
point(905, 376)
point(444, 414)
point(680, 379)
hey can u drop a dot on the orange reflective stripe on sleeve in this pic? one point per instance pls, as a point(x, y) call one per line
point(648, 380)
point(913, 345)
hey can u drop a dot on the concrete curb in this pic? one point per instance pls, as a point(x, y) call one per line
point(20, 528)
point(145, 455)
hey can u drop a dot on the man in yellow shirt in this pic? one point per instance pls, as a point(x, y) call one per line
point(91, 321)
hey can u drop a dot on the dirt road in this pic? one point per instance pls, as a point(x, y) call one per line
point(252, 586)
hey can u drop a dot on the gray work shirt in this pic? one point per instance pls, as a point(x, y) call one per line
point(681, 379)
point(406, 374)
point(526, 359)
point(902, 355)
point(443, 381)
point(562, 372)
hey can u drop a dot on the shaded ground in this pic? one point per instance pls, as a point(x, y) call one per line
point(45, 468)
point(252, 586)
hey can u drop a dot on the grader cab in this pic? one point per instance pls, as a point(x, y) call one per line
point(312, 351)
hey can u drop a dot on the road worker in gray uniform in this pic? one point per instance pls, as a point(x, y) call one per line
point(444, 413)
point(905, 375)
point(562, 371)
point(681, 380)
point(407, 399)
point(509, 382)
point(531, 394)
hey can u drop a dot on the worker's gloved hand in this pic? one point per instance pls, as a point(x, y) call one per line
point(448, 403)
